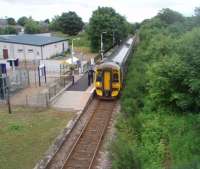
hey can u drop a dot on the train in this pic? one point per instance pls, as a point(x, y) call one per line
point(109, 73)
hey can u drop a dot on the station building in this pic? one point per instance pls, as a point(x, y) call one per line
point(31, 47)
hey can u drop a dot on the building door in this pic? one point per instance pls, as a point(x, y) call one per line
point(63, 45)
point(5, 53)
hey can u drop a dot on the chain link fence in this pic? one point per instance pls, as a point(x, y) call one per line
point(19, 79)
point(43, 99)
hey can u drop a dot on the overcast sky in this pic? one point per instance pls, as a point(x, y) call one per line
point(133, 10)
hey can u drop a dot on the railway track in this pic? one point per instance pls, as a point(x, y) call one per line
point(85, 144)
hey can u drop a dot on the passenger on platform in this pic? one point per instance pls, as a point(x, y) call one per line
point(72, 79)
point(90, 76)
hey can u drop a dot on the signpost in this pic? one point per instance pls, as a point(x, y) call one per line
point(42, 73)
point(4, 86)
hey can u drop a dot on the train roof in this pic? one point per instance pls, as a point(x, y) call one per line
point(117, 58)
point(108, 64)
point(121, 55)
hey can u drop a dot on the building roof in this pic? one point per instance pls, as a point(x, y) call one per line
point(3, 22)
point(31, 40)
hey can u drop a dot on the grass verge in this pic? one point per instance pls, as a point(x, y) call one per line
point(26, 134)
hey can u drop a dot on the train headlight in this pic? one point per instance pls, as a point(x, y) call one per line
point(116, 85)
point(115, 93)
point(99, 92)
point(98, 84)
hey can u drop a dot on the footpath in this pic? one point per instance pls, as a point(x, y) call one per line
point(76, 97)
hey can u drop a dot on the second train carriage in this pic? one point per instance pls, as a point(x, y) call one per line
point(109, 73)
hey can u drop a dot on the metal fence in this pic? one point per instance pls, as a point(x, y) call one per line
point(38, 100)
point(3, 87)
point(44, 98)
point(18, 79)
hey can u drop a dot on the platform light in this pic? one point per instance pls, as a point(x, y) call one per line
point(102, 44)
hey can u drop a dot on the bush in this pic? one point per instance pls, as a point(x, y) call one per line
point(160, 122)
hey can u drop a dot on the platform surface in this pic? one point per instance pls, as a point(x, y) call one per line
point(72, 100)
point(76, 97)
point(80, 85)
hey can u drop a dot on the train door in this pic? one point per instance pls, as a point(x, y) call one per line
point(107, 78)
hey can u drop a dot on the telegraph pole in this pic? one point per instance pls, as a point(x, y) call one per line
point(113, 38)
point(7, 84)
point(102, 44)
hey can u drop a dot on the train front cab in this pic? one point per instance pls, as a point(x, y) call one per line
point(108, 82)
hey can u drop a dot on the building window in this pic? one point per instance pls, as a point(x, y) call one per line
point(38, 53)
point(20, 50)
point(30, 51)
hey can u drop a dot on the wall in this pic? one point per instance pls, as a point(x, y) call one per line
point(29, 52)
point(54, 49)
point(22, 52)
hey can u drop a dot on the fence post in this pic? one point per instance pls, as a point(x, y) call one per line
point(47, 102)
point(54, 89)
point(49, 93)
point(26, 100)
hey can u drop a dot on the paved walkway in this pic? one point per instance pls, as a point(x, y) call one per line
point(80, 85)
point(72, 100)
point(76, 97)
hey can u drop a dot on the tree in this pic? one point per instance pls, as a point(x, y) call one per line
point(10, 30)
point(55, 24)
point(197, 11)
point(135, 27)
point(106, 19)
point(46, 21)
point(169, 16)
point(11, 21)
point(22, 21)
point(32, 26)
point(175, 80)
point(197, 15)
point(70, 23)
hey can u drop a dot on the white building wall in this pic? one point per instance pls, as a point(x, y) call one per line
point(23, 52)
point(28, 52)
point(54, 49)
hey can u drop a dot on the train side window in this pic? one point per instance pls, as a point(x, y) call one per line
point(115, 77)
point(99, 76)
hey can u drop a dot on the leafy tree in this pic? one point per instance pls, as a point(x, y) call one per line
point(197, 14)
point(70, 23)
point(22, 21)
point(55, 24)
point(46, 21)
point(169, 16)
point(32, 27)
point(197, 11)
point(106, 19)
point(135, 26)
point(11, 21)
point(1, 31)
point(10, 30)
point(175, 81)
point(163, 79)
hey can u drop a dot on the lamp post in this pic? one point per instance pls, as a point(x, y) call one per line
point(72, 52)
point(102, 44)
point(113, 38)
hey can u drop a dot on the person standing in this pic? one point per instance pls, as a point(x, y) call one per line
point(90, 76)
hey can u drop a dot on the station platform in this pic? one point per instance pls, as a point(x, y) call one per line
point(80, 85)
point(76, 97)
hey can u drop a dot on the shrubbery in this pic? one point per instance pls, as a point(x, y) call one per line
point(160, 122)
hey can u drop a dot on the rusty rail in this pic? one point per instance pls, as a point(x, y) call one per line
point(86, 146)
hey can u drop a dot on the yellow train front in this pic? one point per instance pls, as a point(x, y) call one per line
point(108, 80)
point(109, 73)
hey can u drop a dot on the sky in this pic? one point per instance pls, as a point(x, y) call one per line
point(133, 10)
